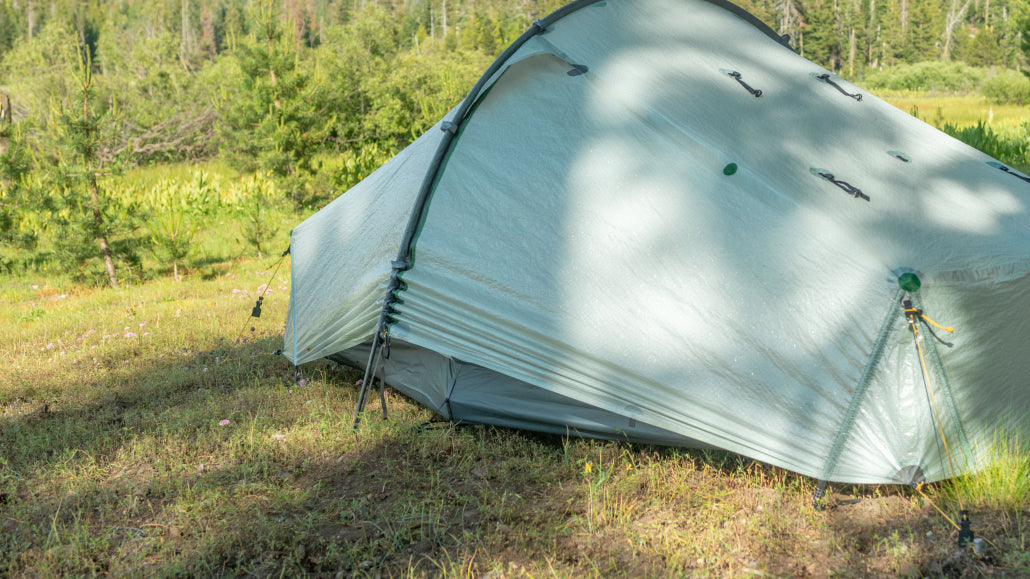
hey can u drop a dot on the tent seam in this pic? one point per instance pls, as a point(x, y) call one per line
point(848, 422)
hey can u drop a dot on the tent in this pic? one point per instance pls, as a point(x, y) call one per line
point(652, 221)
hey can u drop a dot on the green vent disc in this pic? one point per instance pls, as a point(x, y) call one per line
point(909, 282)
point(729, 169)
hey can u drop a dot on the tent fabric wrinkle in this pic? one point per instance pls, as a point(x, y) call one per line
point(615, 237)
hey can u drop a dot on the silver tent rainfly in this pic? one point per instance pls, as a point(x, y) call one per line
point(651, 220)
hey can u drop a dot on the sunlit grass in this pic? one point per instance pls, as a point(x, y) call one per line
point(958, 110)
point(1002, 131)
point(1002, 485)
point(151, 431)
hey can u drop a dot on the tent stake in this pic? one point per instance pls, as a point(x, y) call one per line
point(820, 491)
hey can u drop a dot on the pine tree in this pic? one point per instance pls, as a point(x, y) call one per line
point(76, 163)
point(273, 121)
point(821, 43)
point(14, 167)
point(10, 27)
point(1021, 27)
point(924, 30)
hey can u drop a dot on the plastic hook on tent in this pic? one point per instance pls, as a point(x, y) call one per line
point(578, 69)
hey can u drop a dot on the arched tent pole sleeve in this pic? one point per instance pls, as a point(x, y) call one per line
point(405, 255)
point(886, 329)
point(453, 127)
point(461, 115)
point(451, 130)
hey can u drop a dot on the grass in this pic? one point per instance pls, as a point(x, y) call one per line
point(938, 109)
point(1002, 131)
point(116, 461)
point(152, 431)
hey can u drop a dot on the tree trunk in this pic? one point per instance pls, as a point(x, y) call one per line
point(108, 260)
point(851, 54)
point(790, 17)
point(6, 116)
point(186, 27)
point(872, 35)
point(953, 17)
point(98, 222)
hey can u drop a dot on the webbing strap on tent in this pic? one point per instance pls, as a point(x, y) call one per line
point(879, 346)
point(826, 78)
point(739, 78)
point(998, 165)
point(847, 187)
point(943, 385)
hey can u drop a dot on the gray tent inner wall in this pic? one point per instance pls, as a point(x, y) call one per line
point(470, 394)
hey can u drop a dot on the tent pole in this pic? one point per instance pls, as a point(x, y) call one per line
point(372, 359)
point(382, 391)
point(405, 260)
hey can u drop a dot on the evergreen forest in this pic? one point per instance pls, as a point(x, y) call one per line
point(300, 99)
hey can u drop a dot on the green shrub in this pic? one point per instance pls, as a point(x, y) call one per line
point(175, 208)
point(257, 204)
point(1010, 146)
point(1008, 87)
point(927, 76)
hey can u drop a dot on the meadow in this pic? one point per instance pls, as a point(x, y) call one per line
point(154, 431)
